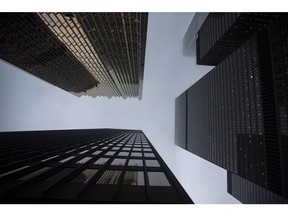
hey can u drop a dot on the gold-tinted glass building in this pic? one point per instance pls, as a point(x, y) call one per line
point(95, 54)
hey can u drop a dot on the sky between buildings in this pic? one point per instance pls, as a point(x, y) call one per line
point(28, 103)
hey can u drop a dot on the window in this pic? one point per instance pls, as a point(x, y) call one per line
point(110, 153)
point(147, 150)
point(83, 152)
point(115, 148)
point(94, 147)
point(134, 178)
point(149, 154)
point(123, 154)
point(85, 176)
point(158, 179)
point(109, 177)
point(96, 152)
point(70, 151)
point(50, 158)
point(126, 149)
point(60, 175)
point(83, 146)
point(118, 162)
point(33, 174)
point(135, 162)
point(136, 149)
point(7, 173)
point(101, 161)
point(152, 163)
point(105, 147)
point(67, 159)
point(136, 154)
point(84, 160)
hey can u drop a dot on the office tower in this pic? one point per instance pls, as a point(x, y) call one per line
point(95, 54)
point(84, 166)
point(223, 33)
point(236, 115)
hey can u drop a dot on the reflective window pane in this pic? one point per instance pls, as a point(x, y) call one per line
point(152, 163)
point(104, 147)
point(149, 154)
point(118, 162)
point(134, 178)
point(84, 160)
point(135, 162)
point(109, 177)
point(147, 150)
point(136, 154)
point(83, 152)
point(96, 152)
point(123, 154)
point(137, 149)
point(67, 159)
point(158, 179)
point(35, 173)
point(101, 161)
point(85, 176)
point(115, 148)
point(126, 149)
point(110, 153)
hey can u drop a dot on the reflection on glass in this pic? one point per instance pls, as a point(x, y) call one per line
point(158, 179)
point(83, 152)
point(85, 176)
point(136, 154)
point(67, 159)
point(105, 147)
point(101, 161)
point(135, 162)
point(115, 148)
point(123, 154)
point(147, 150)
point(84, 160)
point(60, 175)
point(136, 149)
point(70, 151)
point(96, 152)
point(127, 149)
point(94, 147)
point(33, 174)
point(149, 154)
point(152, 163)
point(134, 178)
point(110, 153)
point(118, 162)
point(109, 177)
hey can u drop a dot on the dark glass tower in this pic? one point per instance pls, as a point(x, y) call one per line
point(236, 115)
point(84, 166)
point(95, 54)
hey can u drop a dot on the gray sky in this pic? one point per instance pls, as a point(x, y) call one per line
point(28, 103)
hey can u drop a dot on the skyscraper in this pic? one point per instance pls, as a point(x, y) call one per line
point(95, 54)
point(236, 115)
point(84, 166)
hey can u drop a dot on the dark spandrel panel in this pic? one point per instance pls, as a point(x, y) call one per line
point(60, 175)
point(158, 179)
point(35, 173)
point(85, 176)
point(135, 162)
point(109, 177)
point(134, 178)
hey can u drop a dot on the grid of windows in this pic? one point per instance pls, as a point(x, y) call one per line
point(86, 167)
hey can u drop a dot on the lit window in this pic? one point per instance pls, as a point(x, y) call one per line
point(33, 174)
point(67, 159)
point(118, 162)
point(85, 176)
point(134, 178)
point(109, 177)
point(135, 162)
point(84, 160)
point(101, 161)
point(152, 163)
point(157, 179)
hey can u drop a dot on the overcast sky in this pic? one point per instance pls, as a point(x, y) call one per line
point(28, 103)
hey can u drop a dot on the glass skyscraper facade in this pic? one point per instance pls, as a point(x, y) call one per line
point(84, 166)
point(94, 54)
point(236, 115)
